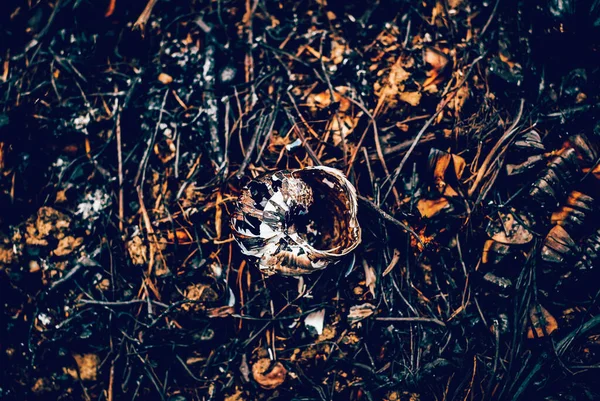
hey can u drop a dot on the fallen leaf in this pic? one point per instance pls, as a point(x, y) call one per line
point(370, 277)
point(438, 61)
point(67, 245)
point(429, 208)
point(494, 252)
point(541, 321)
point(360, 312)
point(509, 228)
point(439, 163)
point(87, 366)
point(435, 58)
point(165, 150)
point(268, 374)
point(165, 78)
point(340, 126)
point(412, 98)
point(137, 251)
point(392, 263)
point(462, 94)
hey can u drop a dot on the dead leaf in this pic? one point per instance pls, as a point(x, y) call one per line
point(438, 62)
point(510, 228)
point(392, 263)
point(595, 172)
point(462, 94)
point(87, 366)
point(558, 246)
point(238, 395)
point(165, 150)
point(7, 255)
point(393, 84)
point(165, 78)
point(269, 374)
point(67, 245)
point(338, 50)
point(494, 252)
point(324, 99)
point(429, 208)
point(412, 98)
point(541, 321)
point(370, 277)
point(435, 58)
point(341, 126)
point(138, 251)
point(221, 311)
point(360, 312)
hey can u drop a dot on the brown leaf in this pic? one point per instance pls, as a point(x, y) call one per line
point(87, 366)
point(341, 125)
point(586, 150)
point(370, 277)
point(412, 98)
point(558, 246)
point(541, 321)
point(510, 229)
point(393, 263)
point(138, 251)
point(439, 163)
point(432, 207)
point(268, 374)
point(165, 78)
point(324, 99)
point(165, 150)
point(462, 94)
point(494, 252)
point(67, 245)
point(438, 61)
point(360, 312)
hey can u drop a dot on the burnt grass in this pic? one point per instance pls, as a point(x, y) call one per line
point(128, 129)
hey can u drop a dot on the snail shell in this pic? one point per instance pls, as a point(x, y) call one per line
point(297, 221)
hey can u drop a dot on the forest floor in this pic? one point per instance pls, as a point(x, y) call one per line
point(129, 128)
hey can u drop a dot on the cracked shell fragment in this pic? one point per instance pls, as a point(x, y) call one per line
point(296, 222)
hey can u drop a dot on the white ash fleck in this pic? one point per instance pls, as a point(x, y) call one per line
point(92, 205)
point(293, 145)
point(216, 270)
point(46, 265)
point(60, 165)
point(231, 301)
point(227, 74)
point(80, 123)
point(44, 319)
point(316, 320)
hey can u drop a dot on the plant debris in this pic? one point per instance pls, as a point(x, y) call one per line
point(434, 166)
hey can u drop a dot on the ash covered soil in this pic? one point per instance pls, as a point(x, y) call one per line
point(469, 128)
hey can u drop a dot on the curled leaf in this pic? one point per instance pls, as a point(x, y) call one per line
point(269, 374)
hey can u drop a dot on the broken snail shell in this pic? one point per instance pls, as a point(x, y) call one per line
point(297, 221)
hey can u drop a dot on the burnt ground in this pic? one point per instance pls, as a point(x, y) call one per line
point(128, 128)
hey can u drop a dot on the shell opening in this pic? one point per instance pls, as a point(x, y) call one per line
point(329, 224)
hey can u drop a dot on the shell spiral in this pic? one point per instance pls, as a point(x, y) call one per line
point(296, 222)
